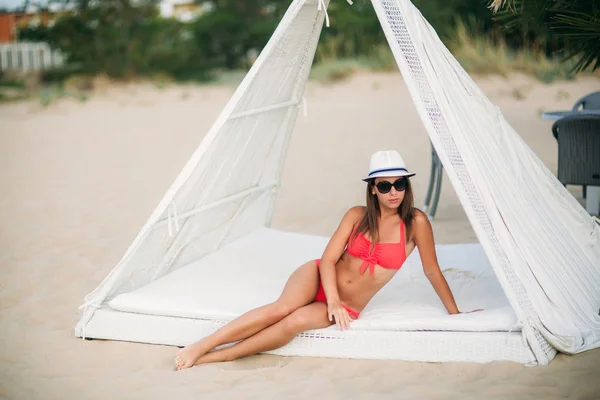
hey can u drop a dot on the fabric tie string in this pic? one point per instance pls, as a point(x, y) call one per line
point(172, 209)
point(323, 7)
point(510, 331)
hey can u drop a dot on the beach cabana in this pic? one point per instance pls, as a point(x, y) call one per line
point(201, 260)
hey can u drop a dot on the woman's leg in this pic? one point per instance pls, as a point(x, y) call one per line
point(312, 316)
point(300, 290)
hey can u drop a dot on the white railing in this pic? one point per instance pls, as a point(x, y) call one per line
point(28, 56)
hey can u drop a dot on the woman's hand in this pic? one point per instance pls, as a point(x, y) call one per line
point(339, 315)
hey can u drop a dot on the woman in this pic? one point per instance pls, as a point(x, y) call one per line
point(365, 252)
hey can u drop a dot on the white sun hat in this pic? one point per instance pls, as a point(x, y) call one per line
point(387, 163)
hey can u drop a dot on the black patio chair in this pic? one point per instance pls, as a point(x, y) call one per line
point(435, 184)
point(588, 102)
point(578, 139)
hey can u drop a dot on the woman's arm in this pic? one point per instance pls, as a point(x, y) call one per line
point(332, 254)
point(423, 236)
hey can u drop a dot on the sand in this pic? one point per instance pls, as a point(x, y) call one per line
point(78, 180)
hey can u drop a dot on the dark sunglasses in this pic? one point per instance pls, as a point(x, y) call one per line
point(399, 184)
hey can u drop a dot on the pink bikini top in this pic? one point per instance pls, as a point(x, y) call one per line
point(387, 255)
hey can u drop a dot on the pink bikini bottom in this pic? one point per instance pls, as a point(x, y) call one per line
point(321, 296)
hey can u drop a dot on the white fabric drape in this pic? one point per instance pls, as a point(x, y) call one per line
point(543, 245)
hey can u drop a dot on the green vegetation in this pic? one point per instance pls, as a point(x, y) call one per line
point(123, 39)
point(485, 54)
point(570, 27)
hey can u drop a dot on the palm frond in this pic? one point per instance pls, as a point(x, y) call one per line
point(571, 27)
point(496, 4)
point(581, 31)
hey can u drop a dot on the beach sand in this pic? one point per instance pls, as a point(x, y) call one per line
point(79, 179)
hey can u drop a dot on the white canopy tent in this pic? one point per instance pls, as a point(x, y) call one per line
point(538, 246)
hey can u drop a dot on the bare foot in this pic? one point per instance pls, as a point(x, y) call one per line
point(187, 357)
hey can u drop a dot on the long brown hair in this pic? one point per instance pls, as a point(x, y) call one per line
point(370, 222)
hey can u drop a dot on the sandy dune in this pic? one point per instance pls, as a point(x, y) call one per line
point(78, 180)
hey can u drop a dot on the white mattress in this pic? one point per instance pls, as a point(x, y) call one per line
point(430, 346)
point(252, 271)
